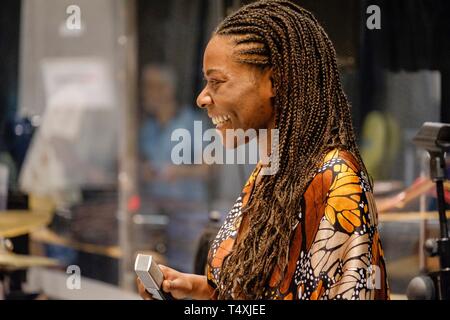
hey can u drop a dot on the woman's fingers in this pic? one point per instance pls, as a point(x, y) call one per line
point(165, 270)
point(167, 285)
point(169, 273)
point(174, 282)
point(142, 292)
point(180, 288)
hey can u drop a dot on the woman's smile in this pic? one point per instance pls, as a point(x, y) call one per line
point(221, 120)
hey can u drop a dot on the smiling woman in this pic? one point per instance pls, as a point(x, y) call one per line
point(308, 231)
point(237, 96)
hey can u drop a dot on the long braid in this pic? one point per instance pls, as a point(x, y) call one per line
point(312, 116)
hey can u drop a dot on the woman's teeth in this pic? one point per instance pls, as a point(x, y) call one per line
point(220, 119)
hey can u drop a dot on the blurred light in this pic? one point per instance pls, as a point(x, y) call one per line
point(18, 130)
point(36, 120)
point(215, 216)
point(122, 40)
point(151, 219)
point(161, 247)
point(134, 203)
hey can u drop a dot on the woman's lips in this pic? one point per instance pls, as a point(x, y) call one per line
point(222, 124)
point(221, 121)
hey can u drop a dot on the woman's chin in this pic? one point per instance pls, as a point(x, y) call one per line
point(232, 140)
point(229, 142)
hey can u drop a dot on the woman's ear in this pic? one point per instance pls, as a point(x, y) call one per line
point(268, 85)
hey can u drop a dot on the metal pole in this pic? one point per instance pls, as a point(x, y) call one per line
point(423, 267)
point(127, 177)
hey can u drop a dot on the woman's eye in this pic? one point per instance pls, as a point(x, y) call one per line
point(214, 83)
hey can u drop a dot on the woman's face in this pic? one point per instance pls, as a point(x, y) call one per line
point(236, 95)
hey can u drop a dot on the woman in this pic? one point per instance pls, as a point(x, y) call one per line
point(309, 230)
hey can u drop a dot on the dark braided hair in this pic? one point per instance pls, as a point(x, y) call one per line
point(312, 116)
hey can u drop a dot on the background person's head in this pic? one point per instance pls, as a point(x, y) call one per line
point(158, 91)
point(297, 86)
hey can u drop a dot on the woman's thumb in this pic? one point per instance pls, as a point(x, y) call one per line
point(167, 285)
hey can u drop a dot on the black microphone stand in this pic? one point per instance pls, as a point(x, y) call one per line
point(441, 278)
point(435, 138)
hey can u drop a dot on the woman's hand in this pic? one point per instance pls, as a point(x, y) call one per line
point(142, 292)
point(180, 285)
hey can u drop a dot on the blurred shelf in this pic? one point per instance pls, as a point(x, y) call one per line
point(381, 188)
point(395, 296)
point(47, 236)
point(15, 223)
point(409, 216)
point(11, 261)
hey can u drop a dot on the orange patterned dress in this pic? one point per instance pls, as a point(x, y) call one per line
point(335, 251)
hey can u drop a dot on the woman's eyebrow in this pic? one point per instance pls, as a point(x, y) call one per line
point(211, 71)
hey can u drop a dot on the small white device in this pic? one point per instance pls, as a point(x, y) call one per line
point(151, 276)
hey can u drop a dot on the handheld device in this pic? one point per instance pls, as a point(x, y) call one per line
point(151, 276)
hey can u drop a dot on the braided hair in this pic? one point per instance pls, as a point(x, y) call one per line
point(312, 116)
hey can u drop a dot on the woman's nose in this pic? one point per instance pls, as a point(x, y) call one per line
point(204, 99)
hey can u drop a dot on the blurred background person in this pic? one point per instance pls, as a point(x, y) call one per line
point(177, 191)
